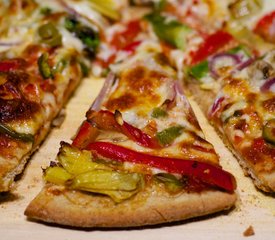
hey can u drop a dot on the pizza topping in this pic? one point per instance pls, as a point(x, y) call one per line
point(87, 35)
point(211, 45)
point(50, 35)
point(220, 61)
point(76, 170)
point(168, 135)
point(110, 79)
point(86, 134)
point(108, 121)
point(265, 27)
point(159, 113)
point(75, 161)
point(243, 8)
point(269, 85)
point(11, 64)
point(20, 136)
point(172, 32)
point(106, 8)
point(207, 173)
point(173, 184)
point(44, 67)
point(269, 131)
point(57, 175)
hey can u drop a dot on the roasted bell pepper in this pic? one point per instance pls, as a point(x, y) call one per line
point(10, 64)
point(125, 38)
point(25, 137)
point(108, 121)
point(211, 45)
point(265, 27)
point(86, 134)
point(207, 173)
point(172, 32)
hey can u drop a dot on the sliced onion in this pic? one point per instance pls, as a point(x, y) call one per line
point(216, 106)
point(245, 64)
point(103, 92)
point(269, 83)
point(218, 57)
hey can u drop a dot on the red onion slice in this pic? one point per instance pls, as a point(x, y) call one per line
point(216, 106)
point(269, 83)
point(213, 62)
point(103, 92)
point(245, 64)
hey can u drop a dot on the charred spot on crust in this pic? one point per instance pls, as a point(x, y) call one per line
point(16, 109)
point(13, 104)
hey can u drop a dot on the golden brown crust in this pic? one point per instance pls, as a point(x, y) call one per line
point(146, 208)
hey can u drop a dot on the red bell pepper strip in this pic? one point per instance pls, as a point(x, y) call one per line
point(10, 64)
point(123, 39)
point(109, 121)
point(207, 173)
point(211, 45)
point(266, 27)
point(86, 134)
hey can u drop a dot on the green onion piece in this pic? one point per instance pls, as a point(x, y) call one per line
point(44, 67)
point(172, 32)
point(200, 70)
point(20, 136)
point(168, 135)
point(50, 35)
point(158, 113)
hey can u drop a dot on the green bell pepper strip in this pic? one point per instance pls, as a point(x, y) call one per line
point(19, 136)
point(172, 32)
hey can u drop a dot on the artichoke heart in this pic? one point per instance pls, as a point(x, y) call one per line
point(106, 180)
point(76, 161)
point(118, 186)
point(57, 175)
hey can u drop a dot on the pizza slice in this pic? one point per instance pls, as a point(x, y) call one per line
point(139, 158)
point(234, 87)
point(45, 51)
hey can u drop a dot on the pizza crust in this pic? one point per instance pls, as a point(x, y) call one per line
point(148, 207)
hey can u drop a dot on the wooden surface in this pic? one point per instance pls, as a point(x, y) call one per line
point(253, 208)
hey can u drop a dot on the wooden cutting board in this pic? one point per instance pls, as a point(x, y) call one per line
point(253, 208)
